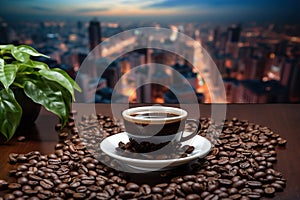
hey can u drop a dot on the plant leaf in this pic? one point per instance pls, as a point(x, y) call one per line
point(40, 92)
point(61, 77)
point(19, 55)
point(38, 65)
point(65, 74)
point(10, 113)
point(7, 73)
point(65, 94)
point(7, 46)
point(29, 50)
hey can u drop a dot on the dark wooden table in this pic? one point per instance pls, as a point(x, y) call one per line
point(283, 119)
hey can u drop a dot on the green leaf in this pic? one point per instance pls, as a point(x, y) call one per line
point(29, 50)
point(40, 92)
point(61, 77)
point(65, 94)
point(7, 46)
point(7, 73)
point(33, 65)
point(10, 113)
point(65, 74)
point(38, 65)
point(19, 55)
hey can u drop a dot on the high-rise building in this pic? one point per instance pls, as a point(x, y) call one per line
point(256, 91)
point(234, 33)
point(94, 33)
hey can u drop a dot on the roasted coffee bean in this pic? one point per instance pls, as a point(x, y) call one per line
point(21, 138)
point(30, 192)
point(81, 189)
point(277, 186)
point(18, 193)
point(47, 184)
point(78, 195)
point(259, 175)
point(132, 187)
point(145, 189)
point(225, 182)
point(22, 180)
point(126, 194)
point(269, 191)
point(232, 191)
point(9, 196)
point(198, 187)
point(3, 184)
point(235, 196)
point(254, 195)
point(157, 190)
point(190, 149)
point(13, 186)
point(254, 184)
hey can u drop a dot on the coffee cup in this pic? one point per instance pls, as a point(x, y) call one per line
point(158, 124)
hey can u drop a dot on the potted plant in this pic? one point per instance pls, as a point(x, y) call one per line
point(23, 80)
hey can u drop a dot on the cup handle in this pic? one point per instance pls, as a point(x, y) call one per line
point(194, 133)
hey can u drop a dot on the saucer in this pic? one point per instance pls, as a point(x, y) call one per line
point(109, 145)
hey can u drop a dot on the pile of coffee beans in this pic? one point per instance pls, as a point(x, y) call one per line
point(151, 151)
point(240, 166)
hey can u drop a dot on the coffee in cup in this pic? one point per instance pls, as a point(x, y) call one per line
point(157, 124)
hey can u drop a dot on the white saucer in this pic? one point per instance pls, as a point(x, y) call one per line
point(109, 144)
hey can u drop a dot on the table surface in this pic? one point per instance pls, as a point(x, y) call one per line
point(283, 119)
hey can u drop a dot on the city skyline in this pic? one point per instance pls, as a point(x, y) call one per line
point(246, 10)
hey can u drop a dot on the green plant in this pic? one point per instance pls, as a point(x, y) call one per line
point(52, 88)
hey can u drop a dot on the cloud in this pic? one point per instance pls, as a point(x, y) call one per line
point(174, 3)
point(86, 10)
point(41, 8)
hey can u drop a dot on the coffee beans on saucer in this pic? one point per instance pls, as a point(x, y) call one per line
point(171, 150)
point(240, 166)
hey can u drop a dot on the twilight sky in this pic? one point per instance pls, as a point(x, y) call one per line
point(271, 10)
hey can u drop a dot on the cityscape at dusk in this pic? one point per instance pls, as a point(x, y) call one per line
point(255, 45)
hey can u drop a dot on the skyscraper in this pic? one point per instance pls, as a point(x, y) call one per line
point(94, 33)
point(234, 33)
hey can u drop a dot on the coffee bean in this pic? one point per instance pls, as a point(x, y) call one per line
point(198, 187)
point(190, 149)
point(225, 182)
point(145, 189)
point(13, 186)
point(17, 193)
point(193, 197)
point(238, 184)
point(157, 190)
point(132, 187)
point(235, 196)
point(30, 192)
point(78, 195)
point(254, 184)
point(269, 191)
point(47, 184)
point(3, 184)
point(254, 195)
point(9, 196)
point(233, 191)
point(126, 194)
point(186, 188)
point(21, 138)
point(258, 175)
point(277, 187)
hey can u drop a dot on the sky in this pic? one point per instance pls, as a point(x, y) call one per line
point(272, 10)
